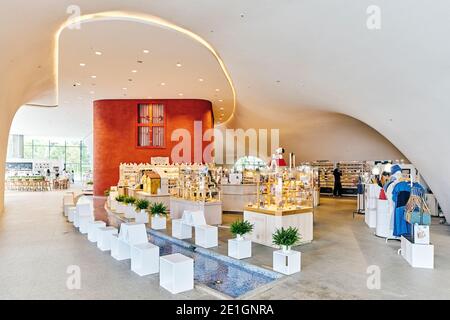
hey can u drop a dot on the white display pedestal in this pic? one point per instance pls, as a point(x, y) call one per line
point(235, 197)
point(417, 255)
point(287, 262)
point(372, 193)
point(84, 222)
point(68, 201)
point(130, 212)
point(84, 209)
point(176, 273)
point(181, 230)
point(145, 259)
point(239, 248)
point(104, 235)
point(154, 198)
point(121, 207)
point(206, 236)
point(141, 217)
point(383, 220)
point(130, 234)
point(92, 229)
point(212, 210)
point(265, 222)
point(158, 222)
point(72, 213)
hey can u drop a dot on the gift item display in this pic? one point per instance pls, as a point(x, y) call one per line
point(198, 183)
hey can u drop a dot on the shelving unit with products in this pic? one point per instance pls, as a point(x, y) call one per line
point(351, 170)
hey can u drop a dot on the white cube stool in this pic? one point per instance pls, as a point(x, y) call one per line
point(120, 249)
point(239, 248)
point(84, 222)
point(141, 217)
point(145, 259)
point(130, 212)
point(180, 230)
point(104, 235)
point(176, 273)
point(92, 229)
point(67, 207)
point(287, 262)
point(71, 215)
point(158, 222)
point(206, 236)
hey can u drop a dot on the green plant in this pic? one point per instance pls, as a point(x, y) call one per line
point(129, 200)
point(158, 208)
point(120, 198)
point(141, 204)
point(241, 227)
point(286, 237)
point(90, 183)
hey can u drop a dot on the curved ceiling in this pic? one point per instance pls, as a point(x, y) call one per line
point(290, 56)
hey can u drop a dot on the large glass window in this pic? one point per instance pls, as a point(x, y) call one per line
point(71, 153)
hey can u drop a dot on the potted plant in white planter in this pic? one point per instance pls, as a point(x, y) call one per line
point(130, 213)
point(120, 204)
point(286, 238)
point(239, 247)
point(159, 212)
point(141, 209)
point(286, 261)
point(240, 228)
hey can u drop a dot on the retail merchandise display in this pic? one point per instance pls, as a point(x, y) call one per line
point(198, 183)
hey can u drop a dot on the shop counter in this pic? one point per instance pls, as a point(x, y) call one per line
point(211, 209)
point(154, 198)
point(237, 196)
point(265, 221)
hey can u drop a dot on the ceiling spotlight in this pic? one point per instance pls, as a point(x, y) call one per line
point(140, 61)
point(134, 71)
point(178, 64)
point(93, 77)
point(124, 89)
point(180, 94)
point(82, 64)
point(221, 108)
point(201, 80)
point(217, 90)
point(77, 84)
point(220, 100)
point(98, 53)
point(163, 83)
point(146, 51)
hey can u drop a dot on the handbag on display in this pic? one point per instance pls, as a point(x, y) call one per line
point(418, 217)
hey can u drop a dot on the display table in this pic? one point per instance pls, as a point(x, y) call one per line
point(417, 255)
point(212, 210)
point(237, 196)
point(266, 221)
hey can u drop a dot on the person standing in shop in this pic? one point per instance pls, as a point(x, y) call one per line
point(337, 190)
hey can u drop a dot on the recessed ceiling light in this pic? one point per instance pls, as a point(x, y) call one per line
point(180, 94)
point(134, 71)
point(217, 90)
point(124, 89)
point(201, 80)
point(178, 64)
point(77, 84)
point(82, 64)
point(146, 51)
point(220, 100)
point(93, 77)
point(221, 108)
point(163, 83)
point(99, 53)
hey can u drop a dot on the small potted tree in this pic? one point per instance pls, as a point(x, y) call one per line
point(120, 204)
point(141, 209)
point(286, 261)
point(240, 228)
point(159, 212)
point(239, 247)
point(130, 213)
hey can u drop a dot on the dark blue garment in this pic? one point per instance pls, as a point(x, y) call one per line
point(400, 196)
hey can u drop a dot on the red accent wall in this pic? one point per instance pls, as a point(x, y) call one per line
point(115, 137)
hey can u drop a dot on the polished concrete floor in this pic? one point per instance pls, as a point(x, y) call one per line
point(37, 246)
